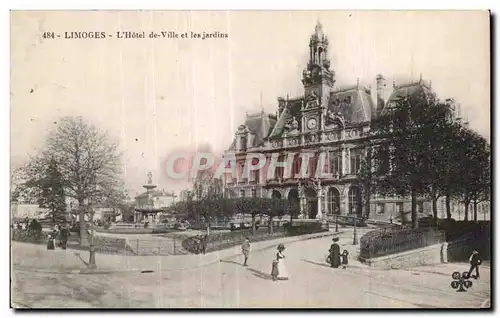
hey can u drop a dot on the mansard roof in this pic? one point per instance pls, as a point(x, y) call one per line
point(354, 103)
point(413, 88)
point(260, 126)
point(292, 109)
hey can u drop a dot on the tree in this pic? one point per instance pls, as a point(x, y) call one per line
point(400, 143)
point(474, 179)
point(88, 161)
point(52, 193)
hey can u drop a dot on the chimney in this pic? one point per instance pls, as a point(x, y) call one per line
point(281, 105)
point(380, 88)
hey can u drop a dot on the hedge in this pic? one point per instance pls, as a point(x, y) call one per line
point(223, 240)
point(395, 240)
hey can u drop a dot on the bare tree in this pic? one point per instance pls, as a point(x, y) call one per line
point(89, 163)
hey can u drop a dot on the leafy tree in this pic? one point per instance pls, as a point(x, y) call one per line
point(88, 161)
point(52, 193)
point(474, 179)
point(400, 143)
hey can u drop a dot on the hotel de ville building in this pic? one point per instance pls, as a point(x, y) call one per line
point(326, 119)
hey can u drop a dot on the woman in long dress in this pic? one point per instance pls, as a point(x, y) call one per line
point(280, 257)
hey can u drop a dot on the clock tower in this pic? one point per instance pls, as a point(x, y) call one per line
point(318, 82)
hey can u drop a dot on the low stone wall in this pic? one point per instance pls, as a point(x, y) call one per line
point(105, 244)
point(429, 255)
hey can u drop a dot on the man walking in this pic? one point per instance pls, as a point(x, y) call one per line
point(245, 249)
point(475, 261)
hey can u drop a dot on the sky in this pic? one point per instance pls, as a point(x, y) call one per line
point(158, 96)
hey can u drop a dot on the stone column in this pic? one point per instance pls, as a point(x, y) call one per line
point(301, 199)
point(319, 215)
point(444, 252)
point(346, 200)
point(343, 159)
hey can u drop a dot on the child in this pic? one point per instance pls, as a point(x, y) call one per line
point(274, 270)
point(344, 256)
point(245, 249)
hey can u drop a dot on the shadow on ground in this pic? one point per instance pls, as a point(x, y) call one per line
point(260, 274)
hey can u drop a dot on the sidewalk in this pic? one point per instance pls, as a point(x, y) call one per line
point(31, 257)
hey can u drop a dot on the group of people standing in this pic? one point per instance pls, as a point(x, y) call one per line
point(61, 233)
point(335, 258)
point(278, 269)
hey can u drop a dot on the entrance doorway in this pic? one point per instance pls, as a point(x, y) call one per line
point(276, 194)
point(311, 203)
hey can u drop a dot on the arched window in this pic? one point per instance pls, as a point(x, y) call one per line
point(333, 201)
point(354, 201)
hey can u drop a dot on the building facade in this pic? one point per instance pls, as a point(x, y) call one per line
point(331, 122)
point(156, 199)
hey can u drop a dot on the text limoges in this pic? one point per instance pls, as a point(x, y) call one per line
point(85, 35)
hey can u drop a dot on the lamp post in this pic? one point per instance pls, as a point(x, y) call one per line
point(355, 237)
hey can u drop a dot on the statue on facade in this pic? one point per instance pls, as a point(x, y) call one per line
point(335, 118)
point(292, 127)
point(301, 190)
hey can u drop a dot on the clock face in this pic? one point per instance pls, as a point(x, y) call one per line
point(311, 123)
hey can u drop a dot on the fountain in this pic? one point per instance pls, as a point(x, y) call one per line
point(148, 212)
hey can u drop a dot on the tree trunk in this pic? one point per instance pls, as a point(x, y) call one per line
point(413, 208)
point(466, 216)
point(367, 202)
point(271, 225)
point(253, 224)
point(448, 207)
point(475, 210)
point(81, 216)
point(434, 209)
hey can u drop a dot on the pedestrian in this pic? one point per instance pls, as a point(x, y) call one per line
point(390, 219)
point(334, 257)
point(475, 261)
point(345, 259)
point(50, 242)
point(280, 257)
point(204, 240)
point(245, 249)
point(64, 235)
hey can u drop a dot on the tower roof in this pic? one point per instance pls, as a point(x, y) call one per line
point(318, 30)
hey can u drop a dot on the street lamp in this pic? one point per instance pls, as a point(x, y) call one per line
point(355, 237)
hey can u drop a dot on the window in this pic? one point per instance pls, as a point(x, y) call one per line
point(383, 159)
point(354, 201)
point(380, 208)
point(280, 171)
point(420, 207)
point(242, 193)
point(355, 160)
point(313, 163)
point(243, 143)
point(335, 163)
point(399, 208)
point(255, 176)
point(254, 193)
point(333, 201)
point(297, 162)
